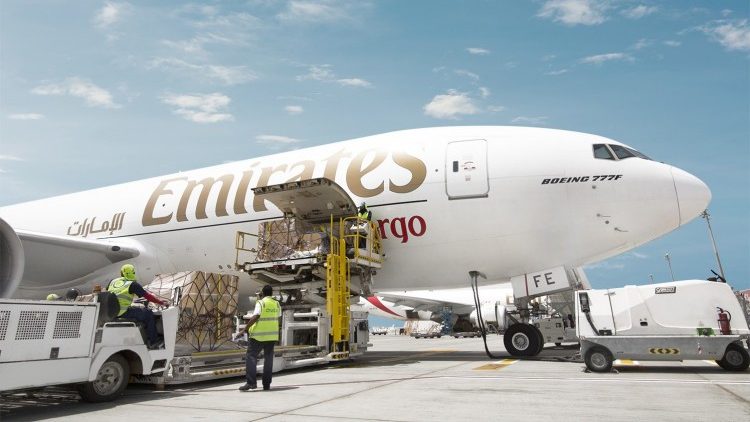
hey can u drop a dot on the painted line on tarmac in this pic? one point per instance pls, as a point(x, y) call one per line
point(626, 362)
point(593, 380)
point(497, 365)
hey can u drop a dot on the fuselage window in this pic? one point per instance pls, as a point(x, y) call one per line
point(602, 152)
point(621, 152)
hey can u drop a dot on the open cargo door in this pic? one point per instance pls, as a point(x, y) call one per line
point(313, 201)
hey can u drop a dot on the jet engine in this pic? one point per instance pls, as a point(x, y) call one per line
point(493, 315)
point(11, 260)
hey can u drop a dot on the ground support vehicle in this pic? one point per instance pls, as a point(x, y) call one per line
point(46, 343)
point(675, 321)
point(541, 310)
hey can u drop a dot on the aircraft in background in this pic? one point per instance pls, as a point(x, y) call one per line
point(506, 201)
point(457, 304)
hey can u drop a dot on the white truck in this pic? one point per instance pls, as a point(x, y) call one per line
point(664, 322)
point(46, 343)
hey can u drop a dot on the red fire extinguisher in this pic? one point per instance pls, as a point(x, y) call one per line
point(724, 318)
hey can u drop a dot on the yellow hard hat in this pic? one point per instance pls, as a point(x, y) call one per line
point(52, 296)
point(127, 271)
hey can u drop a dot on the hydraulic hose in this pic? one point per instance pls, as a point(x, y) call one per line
point(480, 320)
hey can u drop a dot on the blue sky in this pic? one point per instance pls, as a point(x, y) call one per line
point(100, 92)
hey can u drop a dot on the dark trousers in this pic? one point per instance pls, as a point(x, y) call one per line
point(146, 317)
point(251, 361)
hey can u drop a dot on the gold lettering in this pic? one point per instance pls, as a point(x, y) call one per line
point(355, 173)
point(265, 176)
point(148, 218)
point(206, 186)
point(415, 166)
point(308, 167)
point(332, 164)
point(239, 198)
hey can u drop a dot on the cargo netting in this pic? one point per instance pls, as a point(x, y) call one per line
point(207, 303)
point(288, 238)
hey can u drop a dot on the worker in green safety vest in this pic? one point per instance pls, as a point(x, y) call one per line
point(263, 330)
point(126, 288)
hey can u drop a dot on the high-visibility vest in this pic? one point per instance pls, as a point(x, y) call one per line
point(366, 215)
point(121, 288)
point(267, 326)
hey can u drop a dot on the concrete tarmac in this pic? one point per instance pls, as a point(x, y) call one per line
point(406, 379)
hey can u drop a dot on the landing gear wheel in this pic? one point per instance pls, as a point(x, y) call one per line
point(110, 381)
point(540, 341)
point(522, 340)
point(598, 359)
point(735, 358)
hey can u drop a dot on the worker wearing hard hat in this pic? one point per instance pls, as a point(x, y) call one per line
point(126, 288)
point(364, 213)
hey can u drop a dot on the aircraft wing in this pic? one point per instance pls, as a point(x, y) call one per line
point(52, 260)
point(425, 304)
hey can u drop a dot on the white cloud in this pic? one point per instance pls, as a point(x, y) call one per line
point(314, 12)
point(639, 11)
point(354, 82)
point(200, 108)
point(10, 158)
point(641, 44)
point(224, 75)
point(556, 72)
point(324, 73)
point(601, 58)
point(94, 95)
point(496, 108)
point(110, 14)
point(574, 12)
point(294, 110)
point(470, 75)
point(733, 35)
point(671, 43)
point(450, 105)
point(277, 141)
point(484, 92)
point(530, 120)
point(478, 51)
point(318, 73)
point(25, 116)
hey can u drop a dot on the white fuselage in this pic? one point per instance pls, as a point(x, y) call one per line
point(501, 200)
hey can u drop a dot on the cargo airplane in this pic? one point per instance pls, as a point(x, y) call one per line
point(506, 201)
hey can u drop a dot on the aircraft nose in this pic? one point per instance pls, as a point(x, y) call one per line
point(693, 195)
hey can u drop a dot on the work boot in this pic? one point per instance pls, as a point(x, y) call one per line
point(247, 387)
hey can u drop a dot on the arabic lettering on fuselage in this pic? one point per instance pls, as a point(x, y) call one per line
point(359, 165)
point(91, 227)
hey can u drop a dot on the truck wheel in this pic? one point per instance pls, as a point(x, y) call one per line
point(735, 358)
point(110, 381)
point(522, 340)
point(598, 359)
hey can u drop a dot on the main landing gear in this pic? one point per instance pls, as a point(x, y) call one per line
point(523, 340)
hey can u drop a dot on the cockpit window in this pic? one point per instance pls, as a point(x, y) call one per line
point(616, 152)
point(637, 154)
point(602, 152)
point(621, 152)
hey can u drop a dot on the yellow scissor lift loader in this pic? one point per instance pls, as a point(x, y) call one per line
point(319, 258)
